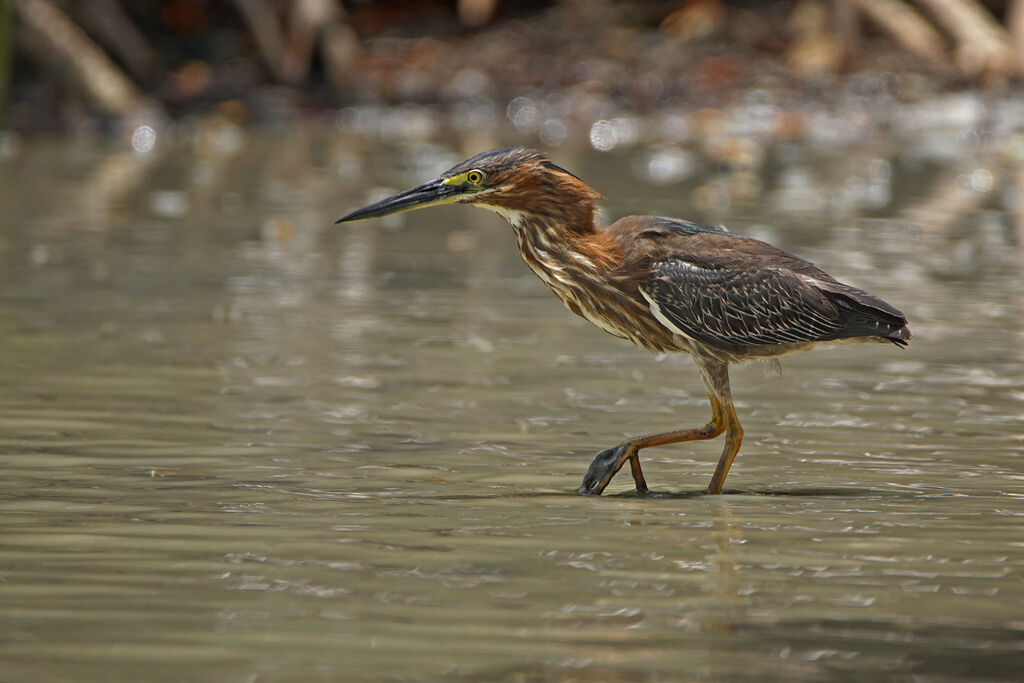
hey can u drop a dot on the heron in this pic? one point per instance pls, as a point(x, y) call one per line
point(665, 284)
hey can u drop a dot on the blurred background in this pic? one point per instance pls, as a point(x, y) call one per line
point(240, 443)
point(82, 67)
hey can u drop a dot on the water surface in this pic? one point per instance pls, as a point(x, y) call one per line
point(242, 444)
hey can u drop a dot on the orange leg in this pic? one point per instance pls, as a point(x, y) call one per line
point(733, 438)
point(609, 461)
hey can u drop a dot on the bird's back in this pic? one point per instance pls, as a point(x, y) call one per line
point(741, 296)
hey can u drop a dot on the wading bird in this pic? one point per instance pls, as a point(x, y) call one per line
point(663, 283)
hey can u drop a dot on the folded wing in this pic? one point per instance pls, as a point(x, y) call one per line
point(735, 308)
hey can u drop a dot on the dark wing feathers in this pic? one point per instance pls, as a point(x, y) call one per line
point(733, 292)
point(731, 308)
point(678, 225)
point(867, 316)
point(858, 299)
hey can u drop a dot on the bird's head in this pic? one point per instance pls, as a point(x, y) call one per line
point(509, 181)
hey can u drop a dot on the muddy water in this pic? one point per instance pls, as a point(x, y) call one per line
point(240, 444)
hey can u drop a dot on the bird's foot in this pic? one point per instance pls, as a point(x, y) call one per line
point(606, 464)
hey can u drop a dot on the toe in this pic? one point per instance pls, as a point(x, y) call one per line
point(602, 468)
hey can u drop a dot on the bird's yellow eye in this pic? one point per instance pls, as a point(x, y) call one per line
point(475, 177)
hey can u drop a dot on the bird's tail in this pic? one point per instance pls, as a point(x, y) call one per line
point(868, 316)
point(901, 337)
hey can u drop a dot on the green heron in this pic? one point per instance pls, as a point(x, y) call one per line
point(663, 283)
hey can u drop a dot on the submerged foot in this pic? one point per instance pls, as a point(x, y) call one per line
point(603, 467)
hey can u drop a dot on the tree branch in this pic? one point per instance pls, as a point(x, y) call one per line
point(906, 26)
point(58, 41)
point(983, 46)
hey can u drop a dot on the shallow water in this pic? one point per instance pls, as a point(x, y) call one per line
point(242, 444)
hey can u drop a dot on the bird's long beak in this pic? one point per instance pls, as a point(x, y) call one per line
point(433, 193)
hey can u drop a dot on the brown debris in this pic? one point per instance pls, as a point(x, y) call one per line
point(983, 46)
point(56, 40)
point(696, 20)
point(906, 26)
point(599, 56)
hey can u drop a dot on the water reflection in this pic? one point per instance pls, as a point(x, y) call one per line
point(241, 443)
